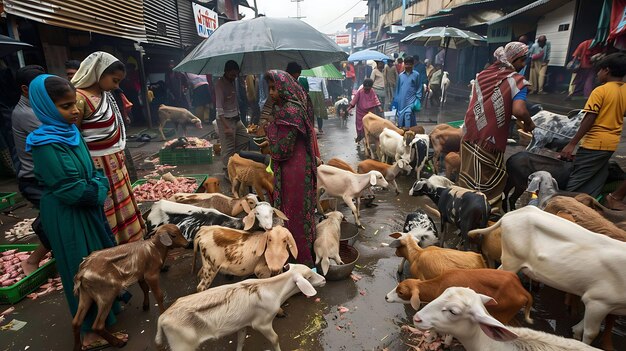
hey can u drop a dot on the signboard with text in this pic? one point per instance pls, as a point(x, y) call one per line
point(206, 20)
point(342, 39)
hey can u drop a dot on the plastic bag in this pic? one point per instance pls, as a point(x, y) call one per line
point(417, 105)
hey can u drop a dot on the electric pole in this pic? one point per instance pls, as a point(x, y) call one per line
point(298, 9)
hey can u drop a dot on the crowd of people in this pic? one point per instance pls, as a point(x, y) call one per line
point(70, 137)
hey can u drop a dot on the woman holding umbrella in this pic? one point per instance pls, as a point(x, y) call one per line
point(291, 136)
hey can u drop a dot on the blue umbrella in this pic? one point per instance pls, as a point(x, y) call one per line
point(368, 55)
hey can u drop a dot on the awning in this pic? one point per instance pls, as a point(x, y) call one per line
point(117, 18)
point(532, 10)
point(162, 27)
point(452, 11)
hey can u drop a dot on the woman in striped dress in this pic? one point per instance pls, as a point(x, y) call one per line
point(102, 127)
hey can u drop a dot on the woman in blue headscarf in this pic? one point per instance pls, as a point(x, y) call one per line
point(74, 192)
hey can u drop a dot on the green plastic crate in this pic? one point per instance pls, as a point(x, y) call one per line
point(195, 156)
point(200, 178)
point(456, 124)
point(14, 293)
point(7, 200)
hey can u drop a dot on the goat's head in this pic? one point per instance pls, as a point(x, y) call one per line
point(404, 165)
point(276, 244)
point(210, 185)
point(334, 215)
point(406, 292)
point(306, 280)
point(408, 137)
point(377, 179)
point(424, 237)
point(400, 243)
point(460, 311)
point(197, 122)
point(170, 236)
point(542, 183)
point(264, 213)
point(422, 187)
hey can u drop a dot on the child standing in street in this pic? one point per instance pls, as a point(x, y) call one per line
point(601, 128)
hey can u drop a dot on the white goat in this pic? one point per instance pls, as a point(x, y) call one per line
point(391, 144)
point(567, 257)
point(227, 309)
point(326, 244)
point(461, 312)
point(339, 183)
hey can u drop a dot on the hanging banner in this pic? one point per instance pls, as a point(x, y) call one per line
point(206, 20)
point(342, 39)
point(618, 19)
point(360, 35)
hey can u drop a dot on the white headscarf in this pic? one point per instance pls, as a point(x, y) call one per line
point(91, 69)
point(510, 52)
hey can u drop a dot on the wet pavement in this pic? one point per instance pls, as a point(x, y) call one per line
point(370, 324)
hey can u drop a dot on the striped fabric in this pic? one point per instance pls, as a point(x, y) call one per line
point(120, 207)
point(483, 170)
point(103, 130)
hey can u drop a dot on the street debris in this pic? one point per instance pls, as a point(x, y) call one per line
point(13, 325)
point(53, 284)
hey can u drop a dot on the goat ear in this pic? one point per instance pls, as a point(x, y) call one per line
point(415, 299)
point(396, 235)
point(491, 326)
point(280, 214)
point(395, 244)
point(533, 186)
point(261, 244)
point(555, 184)
point(165, 238)
point(372, 178)
point(291, 245)
point(487, 300)
point(248, 220)
point(245, 205)
point(304, 285)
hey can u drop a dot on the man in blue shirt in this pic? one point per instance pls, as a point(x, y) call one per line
point(539, 54)
point(408, 95)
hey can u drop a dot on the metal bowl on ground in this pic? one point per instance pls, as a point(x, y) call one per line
point(349, 233)
point(349, 255)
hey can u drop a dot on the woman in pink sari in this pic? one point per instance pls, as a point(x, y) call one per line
point(365, 100)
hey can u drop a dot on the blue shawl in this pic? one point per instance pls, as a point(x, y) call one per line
point(54, 128)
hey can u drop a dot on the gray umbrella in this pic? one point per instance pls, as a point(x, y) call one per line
point(261, 44)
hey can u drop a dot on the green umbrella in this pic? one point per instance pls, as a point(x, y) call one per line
point(328, 71)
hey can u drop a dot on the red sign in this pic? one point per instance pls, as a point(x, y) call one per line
point(342, 39)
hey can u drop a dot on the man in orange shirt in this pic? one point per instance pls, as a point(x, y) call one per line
point(601, 128)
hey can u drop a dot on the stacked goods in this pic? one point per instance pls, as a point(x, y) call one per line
point(164, 188)
point(10, 266)
point(187, 143)
point(20, 231)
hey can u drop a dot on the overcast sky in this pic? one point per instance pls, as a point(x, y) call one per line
point(327, 16)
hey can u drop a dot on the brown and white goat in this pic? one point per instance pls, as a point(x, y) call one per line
point(432, 261)
point(226, 309)
point(503, 286)
point(225, 204)
point(240, 253)
point(390, 172)
point(373, 125)
point(103, 274)
point(341, 164)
